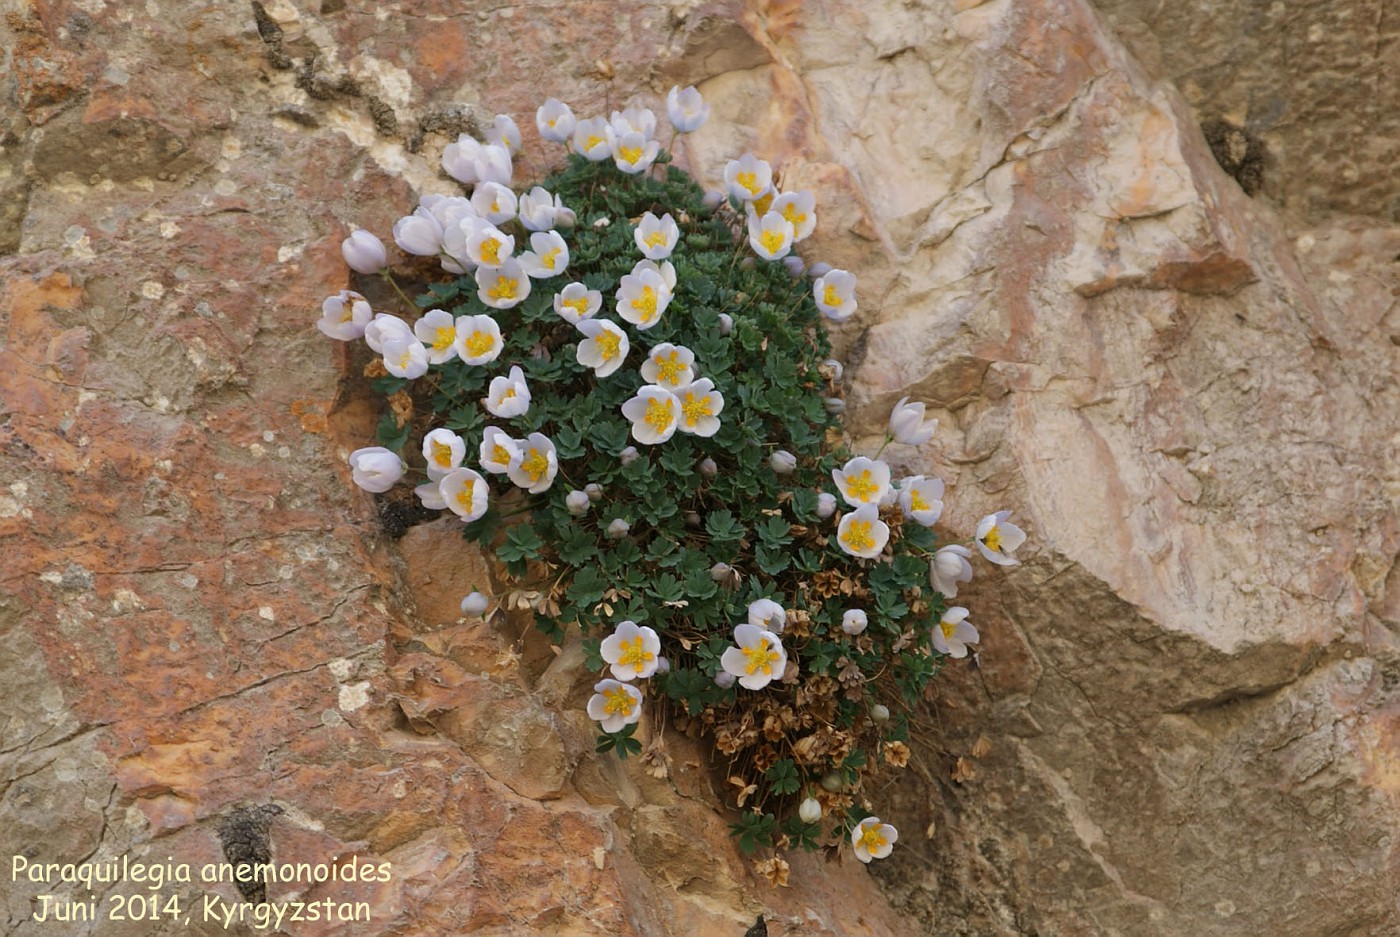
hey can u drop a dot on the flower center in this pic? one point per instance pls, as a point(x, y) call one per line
point(760, 658)
point(579, 306)
point(445, 337)
point(831, 297)
point(772, 241)
point(607, 343)
point(761, 205)
point(504, 289)
point(749, 181)
point(500, 455)
point(347, 312)
point(479, 343)
point(646, 304)
point(618, 702)
point(659, 414)
point(442, 455)
point(464, 497)
point(549, 258)
point(591, 142)
point(993, 539)
point(491, 250)
point(405, 359)
point(694, 408)
point(656, 239)
point(793, 216)
point(861, 487)
point(630, 154)
point(917, 502)
point(857, 536)
point(535, 464)
point(670, 369)
point(949, 627)
point(634, 655)
point(872, 839)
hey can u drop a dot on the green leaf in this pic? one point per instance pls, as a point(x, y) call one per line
point(390, 435)
point(783, 777)
point(522, 543)
point(722, 526)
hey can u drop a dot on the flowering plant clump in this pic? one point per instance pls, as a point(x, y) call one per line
point(622, 384)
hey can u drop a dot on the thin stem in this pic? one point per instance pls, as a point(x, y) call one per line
point(402, 295)
point(888, 439)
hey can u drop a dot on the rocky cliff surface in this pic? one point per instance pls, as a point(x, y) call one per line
point(1185, 718)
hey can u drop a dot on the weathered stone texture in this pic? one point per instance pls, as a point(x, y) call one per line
point(1185, 716)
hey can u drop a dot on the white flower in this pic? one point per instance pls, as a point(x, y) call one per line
point(687, 109)
point(494, 202)
point(954, 633)
point(504, 132)
point(757, 659)
point(438, 332)
point(783, 462)
point(382, 329)
point(555, 121)
point(430, 496)
point(419, 233)
point(724, 679)
point(837, 369)
point(770, 236)
point(444, 451)
point(487, 246)
point(826, 504)
point(873, 839)
point(854, 621)
point(656, 237)
point(800, 210)
point(949, 567)
point(748, 178)
point(642, 298)
point(700, 407)
point(375, 469)
point(493, 164)
point(459, 159)
point(497, 448)
point(503, 288)
point(576, 302)
point(465, 492)
point(478, 339)
point(632, 651)
point(548, 255)
point(538, 210)
point(768, 615)
point(344, 316)
point(634, 153)
point(907, 423)
point(726, 323)
point(405, 357)
point(654, 412)
point(535, 465)
point(666, 270)
point(835, 294)
point(577, 503)
point(862, 481)
point(615, 705)
point(447, 210)
point(455, 258)
point(810, 811)
point(634, 120)
point(593, 139)
point(364, 252)
point(629, 455)
point(605, 347)
point(474, 603)
point(921, 498)
point(997, 540)
point(862, 533)
point(618, 529)
point(508, 396)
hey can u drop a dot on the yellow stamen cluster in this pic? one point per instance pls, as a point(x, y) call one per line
point(656, 239)
point(749, 181)
point(831, 297)
point(579, 306)
point(794, 217)
point(872, 839)
point(993, 539)
point(646, 304)
point(861, 487)
point(499, 455)
point(695, 407)
point(917, 502)
point(857, 536)
point(608, 343)
point(444, 338)
point(535, 464)
point(772, 241)
point(505, 288)
point(635, 655)
point(659, 415)
point(630, 154)
point(442, 455)
point(491, 250)
point(669, 369)
point(549, 258)
point(464, 497)
point(479, 343)
point(760, 658)
point(619, 702)
point(948, 628)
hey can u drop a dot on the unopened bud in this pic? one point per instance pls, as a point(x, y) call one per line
point(810, 811)
point(783, 462)
point(692, 519)
point(832, 781)
point(880, 712)
point(708, 468)
point(835, 368)
point(726, 323)
point(629, 455)
point(474, 604)
point(826, 504)
point(713, 199)
point(577, 502)
point(594, 492)
point(724, 679)
point(794, 265)
point(834, 405)
point(720, 572)
point(663, 665)
point(819, 270)
point(618, 529)
point(565, 218)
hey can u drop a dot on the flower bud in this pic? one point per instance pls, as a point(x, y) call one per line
point(832, 781)
point(837, 369)
point(364, 252)
point(618, 529)
point(746, 264)
point(375, 469)
point(629, 455)
point(713, 199)
point(720, 572)
point(724, 679)
point(854, 621)
point(810, 811)
point(783, 462)
point(880, 712)
point(726, 323)
point(594, 492)
point(826, 504)
point(794, 265)
point(565, 218)
point(708, 468)
point(692, 519)
point(663, 665)
point(819, 270)
point(474, 604)
point(577, 502)
point(834, 405)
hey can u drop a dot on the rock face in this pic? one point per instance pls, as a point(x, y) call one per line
point(1186, 718)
